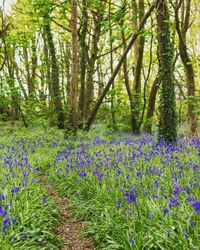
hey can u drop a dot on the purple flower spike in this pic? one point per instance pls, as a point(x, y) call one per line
point(44, 201)
point(196, 205)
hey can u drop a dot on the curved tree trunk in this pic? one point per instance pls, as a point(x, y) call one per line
point(185, 57)
point(151, 104)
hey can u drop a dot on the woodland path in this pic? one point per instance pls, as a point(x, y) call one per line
point(69, 229)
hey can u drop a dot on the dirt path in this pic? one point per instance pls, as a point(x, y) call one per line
point(69, 229)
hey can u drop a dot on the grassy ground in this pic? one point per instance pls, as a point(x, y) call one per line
point(135, 193)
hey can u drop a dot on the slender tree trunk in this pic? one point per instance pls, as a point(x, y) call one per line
point(33, 64)
point(83, 61)
point(72, 124)
point(48, 79)
point(97, 18)
point(185, 57)
point(28, 72)
point(168, 119)
point(151, 104)
point(111, 65)
point(139, 48)
point(134, 123)
point(54, 78)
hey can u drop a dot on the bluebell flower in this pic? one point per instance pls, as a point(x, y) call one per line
point(7, 221)
point(177, 190)
point(132, 240)
point(187, 190)
point(2, 197)
point(165, 211)
point(2, 211)
point(190, 199)
point(4, 229)
point(119, 204)
point(175, 201)
point(82, 174)
point(130, 196)
point(196, 205)
point(15, 190)
point(44, 201)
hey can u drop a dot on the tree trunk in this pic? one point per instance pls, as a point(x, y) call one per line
point(151, 104)
point(111, 66)
point(83, 61)
point(97, 18)
point(72, 124)
point(168, 119)
point(134, 123)
point(54, 77)
point(183, 50)
point(139, 48)
point(48, 78)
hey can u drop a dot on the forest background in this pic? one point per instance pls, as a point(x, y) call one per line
point(132, 65)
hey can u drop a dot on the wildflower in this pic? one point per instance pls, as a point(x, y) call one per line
point(187, 190)
point(7, 221)
point(168, 234)
point(196, 205)
point(15, 190)
point(100, 176)
point(2, 211)
point(165, 211)
point(44, 201)
point(185, 233)
point(130, 196)
point(175, 201)
point(119, 204)
point(132, 240)
point(190, 199)
point(177, 190)
point(82, 174)
point(2, 197)
point(4, 229)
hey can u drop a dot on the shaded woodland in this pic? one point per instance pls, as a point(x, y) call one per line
point(131, 64)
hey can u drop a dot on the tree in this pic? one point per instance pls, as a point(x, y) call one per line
point(182, 28)
point(168, 120)
point(72, 124)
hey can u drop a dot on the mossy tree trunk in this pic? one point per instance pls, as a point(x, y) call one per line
point(54, 78)
point(168, 119)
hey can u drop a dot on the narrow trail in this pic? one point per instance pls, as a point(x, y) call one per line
point(69, 229)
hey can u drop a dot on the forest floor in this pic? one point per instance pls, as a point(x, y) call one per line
point(122, 191)
point(69, 229)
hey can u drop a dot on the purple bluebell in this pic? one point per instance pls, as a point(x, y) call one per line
point(165, 211)
point(44, 201)
point(132, 240)
point(130, 196)
point(196, 205)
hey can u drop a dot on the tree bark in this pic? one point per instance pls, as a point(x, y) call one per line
point(139, 48)
point(72, 125)
point(83, 61)
point(151, 104)
point(97, 18)
point(168, 119)
point(54, 80)
point(185, 57)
